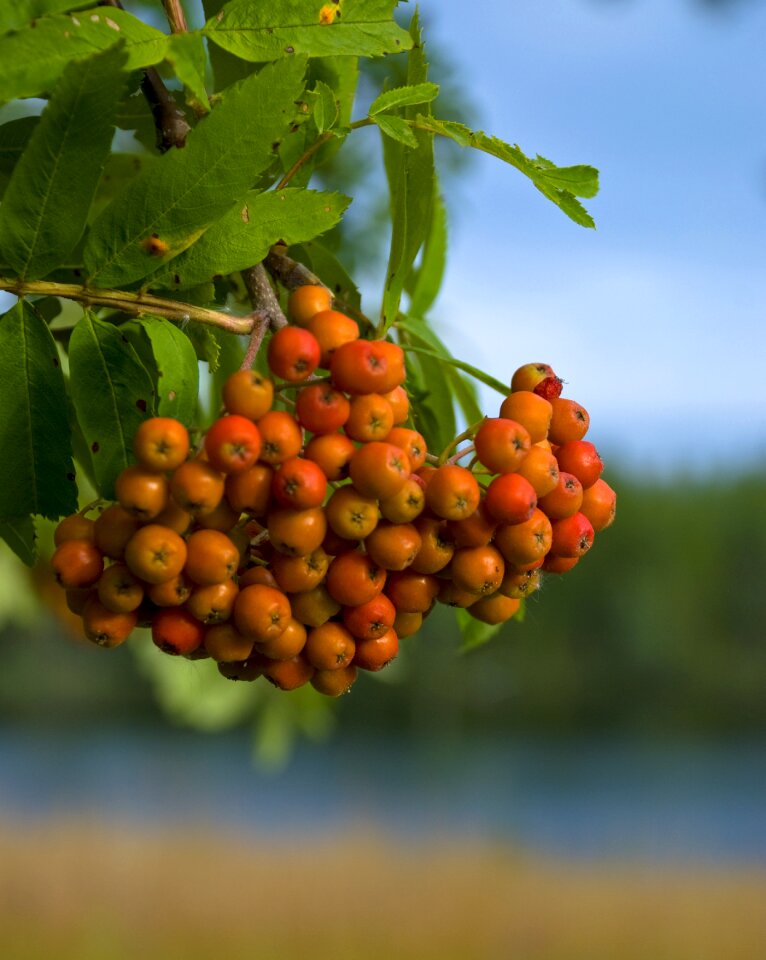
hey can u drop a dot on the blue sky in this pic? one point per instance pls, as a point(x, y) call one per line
point(656, 319)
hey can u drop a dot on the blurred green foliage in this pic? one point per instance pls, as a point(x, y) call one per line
point(658, 629)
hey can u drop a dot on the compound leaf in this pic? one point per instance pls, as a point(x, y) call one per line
point(257, 31)
point(36, 470)
point(561, 185)
point(46, 204)
point(112, 394)
point(163, 211)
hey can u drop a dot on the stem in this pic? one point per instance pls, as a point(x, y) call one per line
point(169, 121)
point(137, 303)
point(467, 434)
point(289, 272)
point(307, 155)
point(260, 326)
point(460, 454)
point(262, 295)
point(315, 146)
point(176, 16)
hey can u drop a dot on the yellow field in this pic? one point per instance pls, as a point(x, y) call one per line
point(77, 891)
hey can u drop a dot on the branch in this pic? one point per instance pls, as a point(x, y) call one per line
point(176, 16)
point(262, 296)
point(169, 121)
point(128, 302)
point(289, 272)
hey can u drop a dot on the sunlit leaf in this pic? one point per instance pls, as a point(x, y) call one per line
point(31, 61)
point(244, 236)
point(163, 211)
point(259, 31)
point(403, 97)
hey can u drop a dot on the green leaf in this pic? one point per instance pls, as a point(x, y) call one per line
point(428, 279)
point(475, 372)
point(432, 408)
point(112, 395)
point(21, 537)
point(419, 333)
point(186, 54)
point(36, 471)
point(31, 61)
point(411, 184)
point(404, 97)
point(119, 170)
point(14, 137)
point(167, 353)
point(188, 190)
point(325, 111)
point(45, 207)
point(398, 129)
point(17, 14)
point(474, 633)
point(257, 31)
point(205, 343)
point(561, 185)
point(244, 236)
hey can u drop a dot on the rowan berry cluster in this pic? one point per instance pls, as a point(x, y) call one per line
point(305, 537)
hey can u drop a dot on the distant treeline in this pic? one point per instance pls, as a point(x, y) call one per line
point(662, 626)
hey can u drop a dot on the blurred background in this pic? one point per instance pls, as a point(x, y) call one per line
point(592, 782)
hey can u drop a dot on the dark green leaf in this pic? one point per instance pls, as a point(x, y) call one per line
point(188, 190)
point(258, 31)
point(36, 471)
point(398, 129)
point(167, 353)
point(325, 110)
point(112, 394)
point(430, 273)
point(341, 75)
point(411, 184)
point(561, 185)
point(45, 207)
point(21, 537)
point(14, 137)
point(244, 236)
point(404, 97)
point(186, 53)
point(31, 61)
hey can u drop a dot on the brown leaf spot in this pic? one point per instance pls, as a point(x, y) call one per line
point(95, 447)
point(141, 404)
point(155, 246)
point(245, 214)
